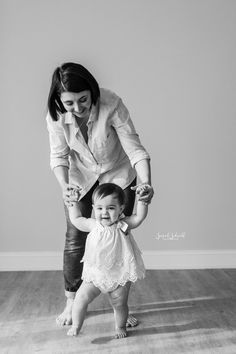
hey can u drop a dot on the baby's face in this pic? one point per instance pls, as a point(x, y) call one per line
point(107, 210)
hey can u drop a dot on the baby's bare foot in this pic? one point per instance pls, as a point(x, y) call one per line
point(73, 331)
point(120, 333)
point(65, 318)
point(131, 321)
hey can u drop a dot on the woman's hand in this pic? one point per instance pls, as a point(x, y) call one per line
point(144, 192)
point(70, 194)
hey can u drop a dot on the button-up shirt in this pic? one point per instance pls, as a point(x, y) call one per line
point(112, 150)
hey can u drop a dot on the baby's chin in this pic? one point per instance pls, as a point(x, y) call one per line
point(106, 222)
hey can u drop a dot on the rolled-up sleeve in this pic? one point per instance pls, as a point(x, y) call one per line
point(59, 149)
point(127, 134)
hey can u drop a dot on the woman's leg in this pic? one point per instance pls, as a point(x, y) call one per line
point(119, 302)
point(73, 253)
point(130, 200)
point(85, 294)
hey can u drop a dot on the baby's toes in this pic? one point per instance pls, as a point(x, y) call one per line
point(73, 331)
point(70, 332)
point(120, 333)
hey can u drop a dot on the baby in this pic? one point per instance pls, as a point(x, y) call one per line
point(112, 259)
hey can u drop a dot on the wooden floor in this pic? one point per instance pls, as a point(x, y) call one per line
point(180, 311)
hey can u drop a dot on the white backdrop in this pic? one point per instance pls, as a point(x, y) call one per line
point(173, 64)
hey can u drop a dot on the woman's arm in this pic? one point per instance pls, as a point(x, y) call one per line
point(61, 173)
point(59, 149)
point(138, 156)
point(143, 170)
point(80, 222)
point(59, 152)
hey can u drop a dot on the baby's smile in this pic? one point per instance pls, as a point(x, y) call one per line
point(106, 220)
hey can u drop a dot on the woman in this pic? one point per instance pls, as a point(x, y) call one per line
point(92, 141)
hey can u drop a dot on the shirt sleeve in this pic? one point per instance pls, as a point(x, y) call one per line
point(127, 134)
point(59, 149)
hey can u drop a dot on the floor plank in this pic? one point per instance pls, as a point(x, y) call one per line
point(180, 311)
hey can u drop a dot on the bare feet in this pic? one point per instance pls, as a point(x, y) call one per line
point(120, 333)
point(65, 318)
point(131, 321)
point(73, 331)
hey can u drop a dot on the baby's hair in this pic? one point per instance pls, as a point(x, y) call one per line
point(105, 189)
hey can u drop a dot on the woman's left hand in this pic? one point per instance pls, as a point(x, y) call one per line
point(144, 192)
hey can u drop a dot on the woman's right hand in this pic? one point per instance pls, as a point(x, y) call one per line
point(144, 192)
point(70, 194)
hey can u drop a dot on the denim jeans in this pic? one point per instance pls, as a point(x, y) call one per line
point(76, 239)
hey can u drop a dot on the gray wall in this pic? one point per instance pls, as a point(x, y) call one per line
point(173, 63)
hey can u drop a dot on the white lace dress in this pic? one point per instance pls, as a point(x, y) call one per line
point(111, 257)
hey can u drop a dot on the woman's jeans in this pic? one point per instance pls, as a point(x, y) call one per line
point(75, 240)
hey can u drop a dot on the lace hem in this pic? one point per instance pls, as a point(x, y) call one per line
point(110, 284)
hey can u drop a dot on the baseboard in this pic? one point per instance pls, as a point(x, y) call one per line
point(190, 259)
point(24, 261)
point(187, 259)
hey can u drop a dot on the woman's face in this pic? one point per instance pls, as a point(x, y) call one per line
point(78, 103)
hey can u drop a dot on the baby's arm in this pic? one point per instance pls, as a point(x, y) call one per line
point(135, 220)
point(80, 222)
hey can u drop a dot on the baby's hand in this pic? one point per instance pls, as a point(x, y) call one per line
point(71, 193)
point(144, 192)
point(74, 196)
point(143, 189)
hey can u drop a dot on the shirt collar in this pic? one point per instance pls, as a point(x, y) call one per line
point(68, 118)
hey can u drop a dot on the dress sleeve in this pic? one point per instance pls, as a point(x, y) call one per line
point(123, 226)
point(59, 149)
point(127, 134)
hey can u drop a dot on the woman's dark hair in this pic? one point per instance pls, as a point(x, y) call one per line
point(105, 189)
point(70, 77)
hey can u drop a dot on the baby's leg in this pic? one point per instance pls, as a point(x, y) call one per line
point(85, 294)
point(119, 302)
